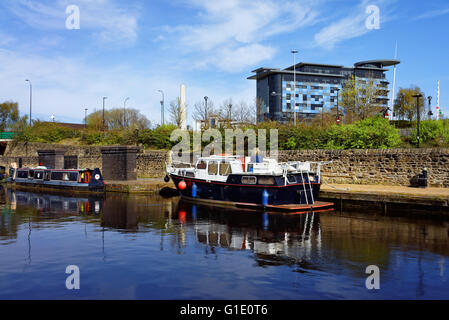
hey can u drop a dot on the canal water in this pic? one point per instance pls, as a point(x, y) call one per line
point(140, 247)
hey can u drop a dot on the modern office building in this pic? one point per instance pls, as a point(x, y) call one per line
point(316, 89)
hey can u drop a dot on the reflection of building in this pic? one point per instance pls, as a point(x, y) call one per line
point(316, 87)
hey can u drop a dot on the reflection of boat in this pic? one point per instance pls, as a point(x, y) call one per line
point(250, 182)
point(47, 203)
point(272, 237)
point(43, 179)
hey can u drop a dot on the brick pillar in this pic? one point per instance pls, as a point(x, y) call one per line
point(53, 159)
point(119, 163)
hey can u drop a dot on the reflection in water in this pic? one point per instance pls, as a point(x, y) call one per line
point(324, 250)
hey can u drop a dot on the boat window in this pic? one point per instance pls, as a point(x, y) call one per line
point(38, 175)
point(291, 179)
point(22, 174)
point(212, 168)
point(47, 175)
point(190, 175)
point(56, 176)
point(201, 165)
point(73, 176)
point(225, 169)
point(266, 180)
point(31, 174)
point(249, 180)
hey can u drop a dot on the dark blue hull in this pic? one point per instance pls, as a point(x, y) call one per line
point(230, 191)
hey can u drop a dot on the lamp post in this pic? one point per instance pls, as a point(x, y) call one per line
point(162, 107)
point(430, 113)
point(338, 113)
point(85, 118)
point(104, 98)
point(31, 96)
point(124, 112)
point(294, 84)
point(205, 109)
point(417, 96)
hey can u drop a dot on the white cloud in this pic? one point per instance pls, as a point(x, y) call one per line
point(351, 26)
point(65, 86)
point(432, 14)
point(232, 32)
point(108, 22)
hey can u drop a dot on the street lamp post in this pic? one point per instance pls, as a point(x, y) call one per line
point(85, 118)
point(294, 85)
point(31, 97)
point(430, 113)
point(417, 96)
point(124, 112)
point(104, 98)
point(205, 109)
point(162, 107)
point(338, 113)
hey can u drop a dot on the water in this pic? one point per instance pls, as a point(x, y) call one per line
point(137, 247)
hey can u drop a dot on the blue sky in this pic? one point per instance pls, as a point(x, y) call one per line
point(133, 48)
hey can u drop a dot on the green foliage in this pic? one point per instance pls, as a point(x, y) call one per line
point(9, 116)
point(433, 133)
point(371, 133)
point(158, 138)
point(46, 132)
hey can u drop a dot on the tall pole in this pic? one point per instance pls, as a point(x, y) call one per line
point(31, 97)
point(417, 96)
point(338, 113)
point(430, 113)
point(104, 98)
point(294, 85)
point(162, 107)
point(85, 118)
point(205, 109)
point(124, 112)
point(438, 100)
point(394, 81)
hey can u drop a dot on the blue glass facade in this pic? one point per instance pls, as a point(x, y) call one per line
point(316, 88)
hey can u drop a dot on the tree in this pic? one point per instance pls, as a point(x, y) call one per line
point(9, 115)
point(176, 112)
point(114, 119)
point(359, 99)
point(405, 104)
point(203, 111)
point(244, 113)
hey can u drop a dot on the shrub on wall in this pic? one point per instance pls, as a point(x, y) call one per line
point(432, 133)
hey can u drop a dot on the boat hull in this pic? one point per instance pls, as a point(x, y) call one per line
point(293, 194)
point(59, 188)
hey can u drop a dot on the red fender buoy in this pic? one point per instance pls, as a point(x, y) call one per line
point(182, 185)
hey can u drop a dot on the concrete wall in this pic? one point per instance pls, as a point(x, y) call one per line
point(389, 167)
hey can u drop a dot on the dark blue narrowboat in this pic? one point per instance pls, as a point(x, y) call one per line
point(256, 182)
point(44, 179)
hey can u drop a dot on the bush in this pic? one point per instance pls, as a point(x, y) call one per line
point(432, 132)
point(46, 132)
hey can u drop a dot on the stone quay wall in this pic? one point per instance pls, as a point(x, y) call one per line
point(149, 163)
point(387, 167)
